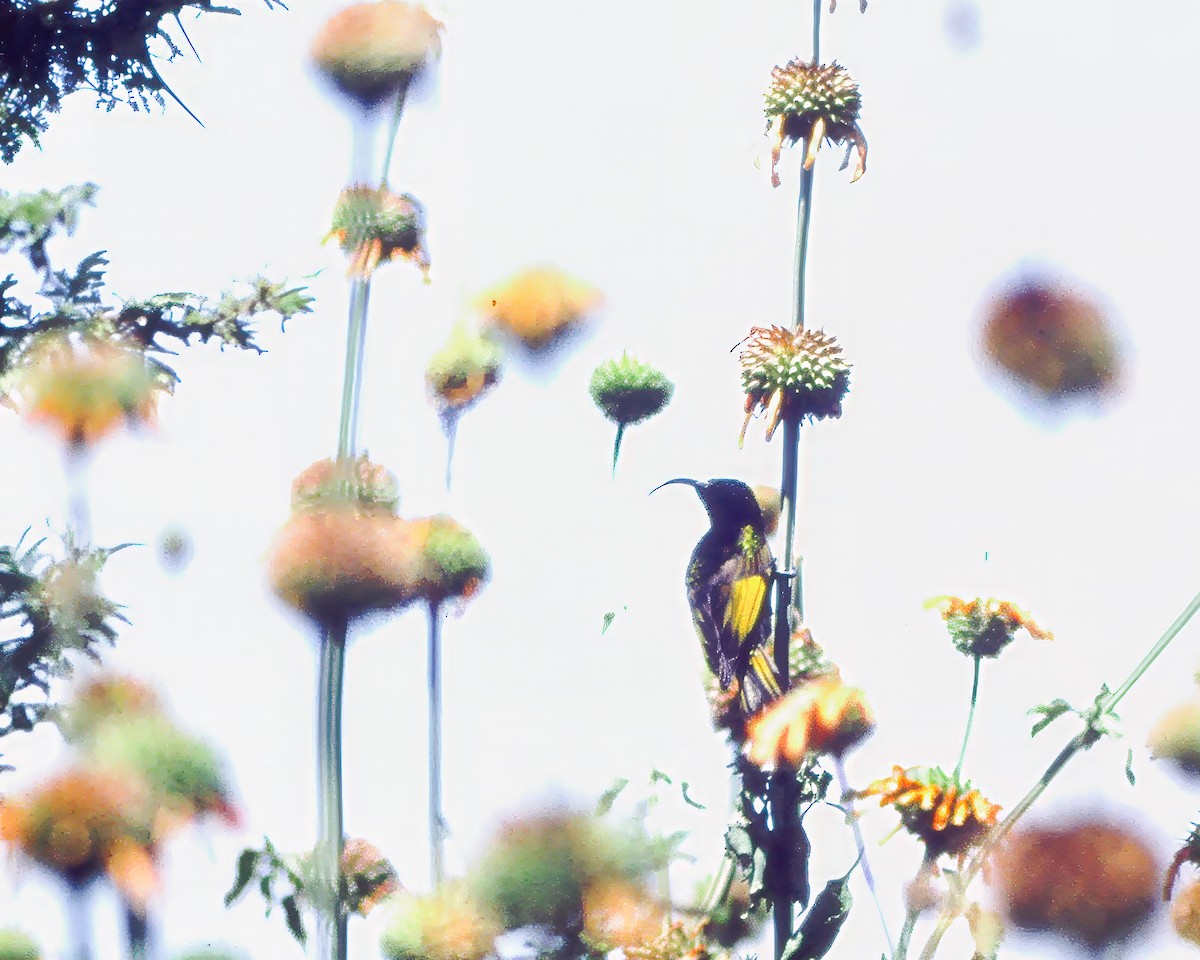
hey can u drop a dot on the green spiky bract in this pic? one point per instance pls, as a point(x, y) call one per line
point(628, 391)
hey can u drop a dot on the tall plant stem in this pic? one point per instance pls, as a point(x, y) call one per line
point(397, 113)
point(79, 924)
point(1081, 741)
point(906, 932)
point(137, 933)
point(437, 822)
point(617, 446)
point(970, 719)
point(332, 921)
point(356, 339)
point(79, 514)
point(860, 845)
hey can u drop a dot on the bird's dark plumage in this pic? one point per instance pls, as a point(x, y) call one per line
point(729, 581)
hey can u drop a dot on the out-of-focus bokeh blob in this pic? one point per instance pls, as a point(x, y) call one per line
point(1091, 880)
point(174, 549)
point(538, 309)
point(1054, 341)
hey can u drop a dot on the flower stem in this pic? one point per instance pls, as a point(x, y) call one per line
point(397, 113)
point(79, 924)
point(437, 823)
point(450, 428)
point(617, 446)
point(718, 890)
point(970, 719)
point(1081, 741)
point(356, 335)
point(137, 933)
point(868, 875)
point(79, 514)
point(906, 932)
point(332, 921)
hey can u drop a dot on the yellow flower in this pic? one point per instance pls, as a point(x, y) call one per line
point(83, 387)
point(821, 716)
point(948, 817)
point(1176, 737)
point(539, 306)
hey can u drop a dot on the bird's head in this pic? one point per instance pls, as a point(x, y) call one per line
point(730, 503)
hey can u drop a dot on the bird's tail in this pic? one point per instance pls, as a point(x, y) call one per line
point(760, 682)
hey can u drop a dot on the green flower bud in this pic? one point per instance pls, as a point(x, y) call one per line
point(628, 391)
point(15, 945)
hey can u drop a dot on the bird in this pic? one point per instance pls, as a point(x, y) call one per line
point(728, 581)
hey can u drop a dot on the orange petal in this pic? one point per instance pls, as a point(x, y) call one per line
point(814, 143)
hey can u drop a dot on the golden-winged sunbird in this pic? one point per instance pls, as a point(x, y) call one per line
point(729, 580)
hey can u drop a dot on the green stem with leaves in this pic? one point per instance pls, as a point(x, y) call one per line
point(1081, 741)
point(962, 753)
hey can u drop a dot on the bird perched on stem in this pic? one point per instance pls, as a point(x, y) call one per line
point(728, 586)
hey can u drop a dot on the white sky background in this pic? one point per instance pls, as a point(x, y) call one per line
point(617, 140)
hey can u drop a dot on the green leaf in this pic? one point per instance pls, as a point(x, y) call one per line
point(609, 796)
point(1049, 712)
point(295, 922)
point(683, 788)
point(608, 619)
point(822, 923)
point(246, 863)
point(738, 843)
point(264, 887)
point(657, 776)
point(1129, 769)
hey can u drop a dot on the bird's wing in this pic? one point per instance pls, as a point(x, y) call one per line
point(731, 612)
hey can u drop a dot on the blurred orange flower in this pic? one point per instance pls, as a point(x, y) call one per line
point(822, 715)
point(81, 825)
point(539, 306)
point(82, 387)
point(948, 817)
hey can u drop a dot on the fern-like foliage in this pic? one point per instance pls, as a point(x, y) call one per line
point(51, 48)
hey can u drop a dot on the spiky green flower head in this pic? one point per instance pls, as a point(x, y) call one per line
point(628, 391)
point(792, 375)
point(184, 773)
point(452, 566)
point(464, 370)
point(15, 945)
point(373, 225)
point(444, 925)
point(814, 102)
point(366, 485)
point(371, 51)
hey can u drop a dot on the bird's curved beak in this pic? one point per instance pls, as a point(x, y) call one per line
point(694, 484)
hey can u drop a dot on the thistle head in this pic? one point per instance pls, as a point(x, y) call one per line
point(792, 375)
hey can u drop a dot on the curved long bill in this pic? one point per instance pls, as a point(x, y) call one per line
point(694, 484)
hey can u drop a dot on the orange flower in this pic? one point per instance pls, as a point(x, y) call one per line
point(83, 388)
point(982, 628)
point(948, 817)
point(539, 306)
point(617, 913)
point(81, 825)
point(1093, 882)
point(1185, 913)
point(821, 716)
point(367, 875)
point(370, 51)
point(374, 225)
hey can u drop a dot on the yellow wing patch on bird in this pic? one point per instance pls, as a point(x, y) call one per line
point(746, 598)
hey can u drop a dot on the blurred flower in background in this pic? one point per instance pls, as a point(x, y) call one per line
point(1094, 881)
point(443, 925)
point(371, 52)
point(538, 308)
point(1054, 341)
point(15, 945)
point(822, 715)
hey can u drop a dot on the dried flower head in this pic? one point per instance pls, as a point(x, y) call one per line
point(792, 375)
point(771, 504)
point(373, 225)
point(982, 628)
point(367, 485)
point(814, 102)
point(820, 716)
point(451, 564)
point(81, 825)
point(83, 387)
point(461, 372)
point(15, 945)
point(1185, 913)
point(184, 775)
point(538, 307)
point(1094, 882)
point(947, 816)
point(628, 391)
point(372, 51)
point(1052, 339)
point(1176, 738)
point(445, 925)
